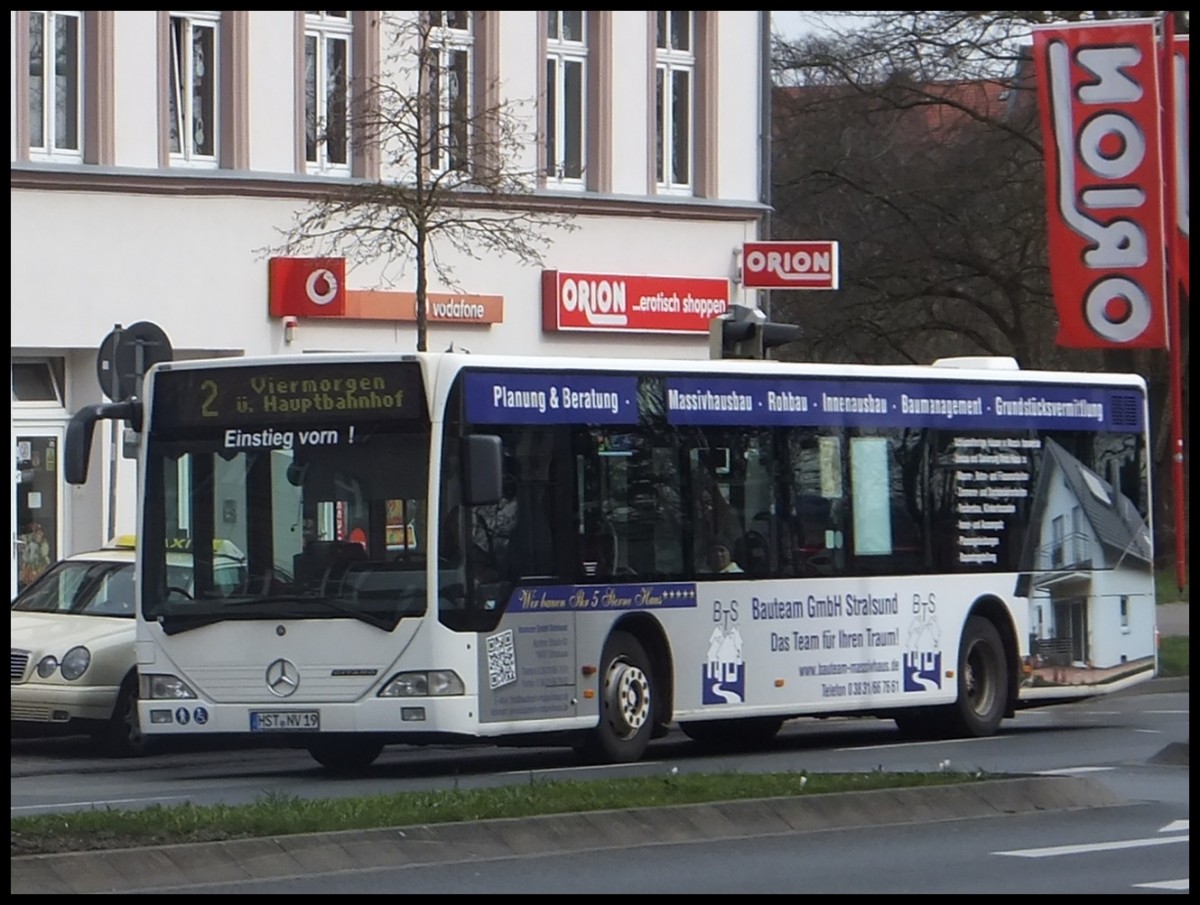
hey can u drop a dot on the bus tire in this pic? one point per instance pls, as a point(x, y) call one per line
point(627, 704)
point(749, 732)
point(345, 755)
point(122, 735)
point(982, 681)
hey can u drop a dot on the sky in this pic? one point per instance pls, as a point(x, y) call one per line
point(791, 25)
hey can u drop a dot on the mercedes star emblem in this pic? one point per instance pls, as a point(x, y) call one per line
point(283, 678)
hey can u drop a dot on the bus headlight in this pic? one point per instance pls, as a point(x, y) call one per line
point(163, 688)
point(47, 665)
point(76, 662)
point(433, 683)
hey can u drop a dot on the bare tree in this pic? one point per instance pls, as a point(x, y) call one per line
point(913, 139)
point(451, 157)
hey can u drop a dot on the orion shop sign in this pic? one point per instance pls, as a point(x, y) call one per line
point(629, 303)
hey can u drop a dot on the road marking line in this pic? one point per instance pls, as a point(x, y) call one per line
point(95, 805)
point(945, 741)
point(1068, 771)
point(1056, 850)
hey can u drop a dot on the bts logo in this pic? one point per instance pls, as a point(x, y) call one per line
point(922, 670)
point(307, 287)
point(723, 675)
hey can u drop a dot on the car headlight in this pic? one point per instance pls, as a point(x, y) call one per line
point(76, 662)
point(47, 665)
point(434, 683)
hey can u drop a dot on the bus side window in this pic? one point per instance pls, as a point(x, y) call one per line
point(816, 506)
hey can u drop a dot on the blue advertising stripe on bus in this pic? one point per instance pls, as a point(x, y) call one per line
point(543, 398)
point(751, 402)
point(606, 597)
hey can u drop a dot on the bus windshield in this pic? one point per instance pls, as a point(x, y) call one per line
point(310, 510)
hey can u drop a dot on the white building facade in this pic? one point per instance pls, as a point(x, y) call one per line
point(158, 157)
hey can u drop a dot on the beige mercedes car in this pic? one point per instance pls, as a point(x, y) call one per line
point(73, 664)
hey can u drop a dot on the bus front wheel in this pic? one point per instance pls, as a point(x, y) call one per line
point(627, 702)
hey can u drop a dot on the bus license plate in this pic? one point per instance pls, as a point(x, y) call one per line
point(284, 720)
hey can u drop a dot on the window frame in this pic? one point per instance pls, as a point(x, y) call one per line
point(324, 28)
point(444, 41)
point(180, 91)
point(671, 62)
point(560, 53)
point(48, 121)
point(55, 370)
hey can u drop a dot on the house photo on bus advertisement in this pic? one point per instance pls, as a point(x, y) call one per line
point(1087, 569)
point(589, 178)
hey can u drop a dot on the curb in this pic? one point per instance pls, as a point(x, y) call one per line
point(161, 868)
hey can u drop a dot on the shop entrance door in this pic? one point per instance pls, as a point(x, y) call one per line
point(37, 517)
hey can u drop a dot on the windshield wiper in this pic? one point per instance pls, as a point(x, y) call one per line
point(380, 622)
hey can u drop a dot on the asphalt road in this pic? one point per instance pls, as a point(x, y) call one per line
point(161, 868)
point(1148, 745)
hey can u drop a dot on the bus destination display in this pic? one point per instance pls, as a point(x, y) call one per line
point(287, 394)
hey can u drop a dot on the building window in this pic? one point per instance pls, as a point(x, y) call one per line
point(451, 82)
point(566, 98)
point(327, 36)
point(55, 86)
point(674, 90)
point(192, 95)
point(1124, 612)
point(1058, 531)
point(37, 381)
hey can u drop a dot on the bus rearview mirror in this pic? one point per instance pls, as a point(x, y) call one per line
point(483, 457)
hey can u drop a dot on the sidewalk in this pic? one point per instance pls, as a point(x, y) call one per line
point(1173, 619)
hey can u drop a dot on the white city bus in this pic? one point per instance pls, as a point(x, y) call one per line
point(450, 547)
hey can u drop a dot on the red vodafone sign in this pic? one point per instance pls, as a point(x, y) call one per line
point(307, 287)
point(627, 303)
point(790, 265)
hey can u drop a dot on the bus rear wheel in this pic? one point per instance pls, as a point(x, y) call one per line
point(627, 703)
point(982, 680)
point(345, 755)
point(982, 691)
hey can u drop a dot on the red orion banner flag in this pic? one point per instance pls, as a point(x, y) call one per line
point(1099, 99)
point(1181, 66)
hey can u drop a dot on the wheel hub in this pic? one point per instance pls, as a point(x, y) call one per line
point(629, 698)
point(979, 688)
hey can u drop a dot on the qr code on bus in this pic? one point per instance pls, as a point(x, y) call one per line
point(502, 659)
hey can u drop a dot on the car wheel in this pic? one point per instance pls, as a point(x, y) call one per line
point(123, 736)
